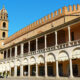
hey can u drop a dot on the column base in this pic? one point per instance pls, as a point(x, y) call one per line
point(71, 76)
point(37, 76)
point(46, 76)
point(57, 76)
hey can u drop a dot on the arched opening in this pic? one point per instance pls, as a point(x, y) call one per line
point(51, 65)
point(12, 68)
point(76, 62)
point(33, 66)
point(3, 34)
point(18, 67)
point(41, 67)
point(4, 25)
point(25, 67)
point(63, 59)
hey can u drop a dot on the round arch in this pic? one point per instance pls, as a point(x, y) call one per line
point(25, 61)
point(40, 59)
point(12, 64)
point(18, 62)
point(7, 66)
point(51, 57)
point(32, 60)
point(76, 53)
point(63, 56)
point(3, 34)
point(4, 24)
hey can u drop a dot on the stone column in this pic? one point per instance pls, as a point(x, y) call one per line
point(45, 42)
point(57, 69)
point(3, 54)
point(28, 70)
point(22, 45)
point(56, 41)
point(69, 35)
point(29, 47)
point(10, 52)
point(10, 71)
point(6, 53)
point(6, 68)
point(36, 45)
point(45, 69)
point(21, 70)
point(36, 70)
point(15, 71)
point(15, 51)
point(71, 69)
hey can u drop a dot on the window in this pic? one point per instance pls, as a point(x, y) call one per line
point(4, 17)
point(1, 17)
point(4, 25)
point(72, 36)
point(3, 34)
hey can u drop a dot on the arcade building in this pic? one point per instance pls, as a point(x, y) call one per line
point(49, 47)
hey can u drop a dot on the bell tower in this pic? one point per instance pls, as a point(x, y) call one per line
point(3, 26)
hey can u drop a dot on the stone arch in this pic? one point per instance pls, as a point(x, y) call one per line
point(3, 34)
point(7, 66)
point(63, 55)
point(1, 67)
point(18, 62)
point(40, 59)
point(12, 64)
point(4, 24)
point(51, 57)
point(76, 53)
point(25, 61)
point(32, 60)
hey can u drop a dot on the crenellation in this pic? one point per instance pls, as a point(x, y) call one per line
point(64, 10)
point(70, 8)
point(52, 15)
point(34, 24)
point(48, 16)
point(42, 20)
point(59, 11)
point(74, 7)
point(45, 18)
point(55, 13)
point(39, 21)
point(78, 7)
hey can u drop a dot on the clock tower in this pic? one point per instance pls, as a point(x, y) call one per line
point(3, 26)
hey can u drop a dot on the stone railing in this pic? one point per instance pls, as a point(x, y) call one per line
point(61, 46)
point(41, 51)
point(52, 48)
point(32, 52)
point(74, 43)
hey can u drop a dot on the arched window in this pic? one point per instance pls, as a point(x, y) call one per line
point(4, 25)
point(3, 34)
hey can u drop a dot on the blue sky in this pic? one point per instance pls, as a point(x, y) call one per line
point(24, 12)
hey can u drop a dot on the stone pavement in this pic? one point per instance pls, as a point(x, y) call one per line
point(40, 78)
